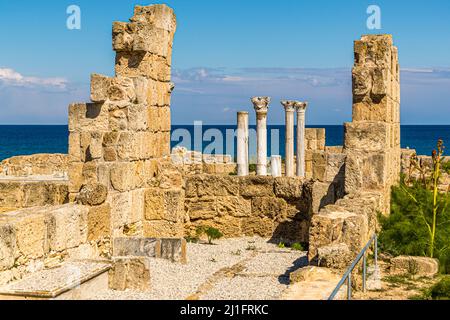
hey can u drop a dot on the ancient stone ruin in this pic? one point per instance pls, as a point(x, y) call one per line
point(121, 196)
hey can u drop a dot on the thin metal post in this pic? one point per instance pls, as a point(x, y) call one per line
point(376, 252)
point(349, 287)
point(364, 272)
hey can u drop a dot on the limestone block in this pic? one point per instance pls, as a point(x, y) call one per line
point(365, 171)
point(7, 246)
point(337, 256)
point(262, 227)
point(232, 206)
point(121, 89)
point(121, 204)
point(292, 231)
point(310, 134)
point(367, 136)
point(164, 205)
point(75, 147)
point(210, 185)
point(89, 172)
point(417, 266)
point(256, 186)
point(163, 229)
point(289, 188)
point(323, 194)
point(174, 250)
point(138, 247)
point(88, 117)
point(335, 225)
point(230, 227)
point(143, 64)
point(130, 273)
point(31, 233)
point(164, 117)
point(99, 222)
point(68, 227)
point(138, 117)
point(99, 87)
point(335, 167)
point(202, 208)
point(160, 16)
point(122, 176)
point(118, 119)
point(10, 195)
point(270, 207)
point(311, 273)
point(75, 177)
point(375, 49)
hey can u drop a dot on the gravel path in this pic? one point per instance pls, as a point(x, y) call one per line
point(244, 268)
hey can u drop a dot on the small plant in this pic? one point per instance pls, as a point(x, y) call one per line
point(191, 239)
point(237, 252)
point(281, 245)
point(211, 233)
point(297, 247)
point(252, 168)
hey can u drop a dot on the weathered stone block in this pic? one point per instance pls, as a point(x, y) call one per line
point(160, 16)
point(203, 208)
point(68, 227)
point(164, 205)
point(233, 206)
point(262, 227)
point(99, 222)
point(367, 136)
point(139, 247)
point(337, 256)
point(288, 188)
point(272, 208)
point(130, 273)
point(174, 250)
point(88, 117)
point(416, 266)
point(122, 176)
point(257, 186)
point(7, 246)
point(99, 87)
point(323, 194)
point(31, 233)
point(163, 229)
point(210, 185)
point(93, 194)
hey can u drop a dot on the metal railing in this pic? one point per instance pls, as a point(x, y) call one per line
point(348, 275)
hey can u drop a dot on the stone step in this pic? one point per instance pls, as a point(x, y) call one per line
point(71, 280)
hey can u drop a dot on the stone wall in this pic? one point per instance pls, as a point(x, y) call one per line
point(52, 165)
point(278, 208)
point(26, 194)
point(372, 148)
point(118, 141)
point(43, 237)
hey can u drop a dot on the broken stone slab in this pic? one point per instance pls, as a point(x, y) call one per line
point(130, 273)
point(416, 266)
point(140, 247)
point(311, 273)
point(170, 249)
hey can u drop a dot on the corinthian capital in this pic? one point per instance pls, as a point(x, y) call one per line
point(261, 104)
point(289, 105)
point(301, 106)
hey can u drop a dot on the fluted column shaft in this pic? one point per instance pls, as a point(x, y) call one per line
point(289, 107)
point(301, 148)
point(261, 105)
point(242, 144)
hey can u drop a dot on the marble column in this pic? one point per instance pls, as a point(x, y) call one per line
point(242, 144)
point(289, 107)
point(301, 148)
point(261, 105)
point(275, 165)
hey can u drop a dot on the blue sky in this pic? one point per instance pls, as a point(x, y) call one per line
point(226, 51)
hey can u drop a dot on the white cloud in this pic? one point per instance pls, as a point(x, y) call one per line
point(13, 78)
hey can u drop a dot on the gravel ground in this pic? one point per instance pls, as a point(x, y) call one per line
point(261, 273)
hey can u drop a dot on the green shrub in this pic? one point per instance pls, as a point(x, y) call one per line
point(297, 247)
point(419, 223)
point(440, 291)
point(252, 168)
point(211, 233)
point(281, 245)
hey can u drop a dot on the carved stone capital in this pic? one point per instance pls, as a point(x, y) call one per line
point(301, 106)
point(261, 104)
point(289, 105)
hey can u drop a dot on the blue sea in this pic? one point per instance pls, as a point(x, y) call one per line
point(27, 140)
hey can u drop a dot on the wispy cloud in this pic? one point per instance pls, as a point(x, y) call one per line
point(13, 78)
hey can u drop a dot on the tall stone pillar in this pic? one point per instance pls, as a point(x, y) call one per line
point(301, 148)
point(242, 144)
point(289, 107)
point(372, 139)
point(261, 105)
